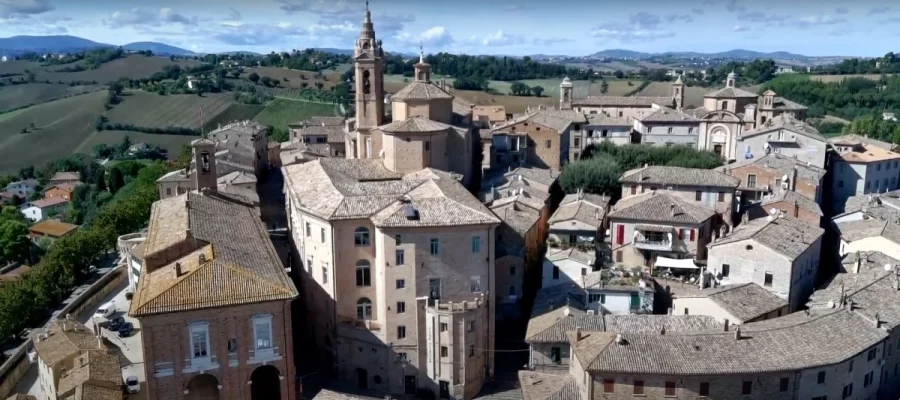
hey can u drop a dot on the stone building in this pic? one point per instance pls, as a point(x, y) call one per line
point(485, 117)
point(664, 126)
point(779, 253)
point(384, 258)
point(787, 136)
point(323, 135)
point(213, 299)
point(74, 362)
point(862, 167)
point(544, 138)
point(580, 220)
point(729, 304)
point(708, 188)
point(623, 107)
point(601, 128)
point(789, 203)
point(869, 223)
point(773, 173)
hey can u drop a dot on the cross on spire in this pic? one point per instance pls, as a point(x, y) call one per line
point(367, 5)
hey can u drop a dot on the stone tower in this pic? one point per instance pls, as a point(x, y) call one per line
point(678, 93)
point(423, 69)
point(731, 80)
point(205, 164)
point(565, 94)
point(369, 77)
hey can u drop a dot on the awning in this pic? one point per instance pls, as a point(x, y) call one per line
point(665, 262)
point(653, 228)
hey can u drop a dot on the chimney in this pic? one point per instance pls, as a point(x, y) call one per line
point(858, 264)
point(877, 321)
point(737, 333)
point(726, 325)
point(177, 269)
point(99, 343)
point(202, 258)
point(796, 209)
point(662, 331)
point(550, 303)
point(671, 311)
point(794, 178)
point(620, 339)
point(578, 334)
point(672, 209)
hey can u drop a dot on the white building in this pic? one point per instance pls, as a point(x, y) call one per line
point(23, 188)
point(567, 266)
point(870, 223)
point(861, 168)
point(664, 126)
point(44, 208)
point(784, 135)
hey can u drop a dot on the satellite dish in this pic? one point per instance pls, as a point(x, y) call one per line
point(887, 267)
point(830, 304)
point(773, 211)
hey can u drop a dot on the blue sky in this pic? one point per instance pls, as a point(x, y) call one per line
point(515, 27)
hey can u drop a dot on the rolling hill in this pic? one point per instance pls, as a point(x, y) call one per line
point(16, 45)
point(158, 48)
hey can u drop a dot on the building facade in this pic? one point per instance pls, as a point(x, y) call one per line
point(860, 168)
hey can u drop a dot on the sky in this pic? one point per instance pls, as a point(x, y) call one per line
point(509, 27)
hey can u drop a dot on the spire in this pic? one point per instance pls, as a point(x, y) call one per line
point(368, 14)
point(679, 81)
point(421, 55)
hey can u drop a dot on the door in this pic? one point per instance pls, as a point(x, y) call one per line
point(445, 390)
point(717, 149)
point(409, 384)
point(362, 378)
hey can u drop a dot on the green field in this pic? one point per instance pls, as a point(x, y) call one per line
point(134, 67)
point(172, 143)
point(17, 96)
point(234, 112)
point(59, 127)
point(144, 109)
point(281, 112)
point(295, 77)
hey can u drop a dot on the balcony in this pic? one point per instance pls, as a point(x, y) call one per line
point(658, 242)
point(200, 364)
point(363, 324)
point(258, 356)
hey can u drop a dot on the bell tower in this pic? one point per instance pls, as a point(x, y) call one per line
point(369, 64)
point(565, 92)
point(678, 93)
point(205, 158)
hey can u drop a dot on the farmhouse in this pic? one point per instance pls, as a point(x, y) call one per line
point(65, 177)
point(44, 208)
point(51, 229)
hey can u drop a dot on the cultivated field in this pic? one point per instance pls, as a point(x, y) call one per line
point(18, 67)
point(60, 127)
point(281, 112)
point(152, 110)
point(838, 78)
point(295, 77)
point(16, 96)
point(234, 112)
point(134, 67)
point(172, 143)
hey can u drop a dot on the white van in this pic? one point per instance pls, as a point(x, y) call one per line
point(106, 310)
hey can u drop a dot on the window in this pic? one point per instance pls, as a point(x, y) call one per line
point(704, 389)
point(872, 354)
point(575, 155)
point(325, 274)
point(511, 291)
point(434, 288)
point(669, 131)
point(401, 283)
point(726, 269)
point(638, 387)
point(620, 114)
point(868, 379)
point(604, 133)
point(619, 256)
point(556, 354)
point(584, 272)
point(821, 377)
point(698, 196)
point(576, 142)
point(443, 327)
point(851, 366)
point(690, 130)
point(670, 388)
point(847, 392)
point(512, 271)
point(308, 230)
point(475, 284)
point(692, 234)
point(747, 387)
point(597, 297)
point(476, 244)
point(364, 309)
point(397, 240)
point(309, 265)
point(783, 384)
point(361, 237)
point(168, 191)
point(767, 282)
point(199, 339)
point(323, 235)
point(427, 146)
point(681, 234)
point(721, 197)
point(620, 235)
point(609, 386)
point(878, 167)
point(471, 326)
point(445, 352)
point(471, 350)
point(555, 272)
point(751, 181)
point(400, 257)
point(401, 307)
point(434, 247)
point(262, 331)
point(401, 332)
point(549, 143)
point(363, 273)
point(634, 190)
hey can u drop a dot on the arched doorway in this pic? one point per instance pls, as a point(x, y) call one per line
point(264, 383)
point(203, 387)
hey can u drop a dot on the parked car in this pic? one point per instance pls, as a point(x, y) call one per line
point(132, 385)
point(115, 323)
point(125, 329)
point(106, 310)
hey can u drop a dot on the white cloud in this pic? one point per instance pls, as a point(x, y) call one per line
point(20, 8)
point(679, 17)
point(878, 10)
point(733, 6)
point(139, 17)
point(641, 27)
point(434, 37)
point(341, 8)
point(740, 28)
point(500, 38)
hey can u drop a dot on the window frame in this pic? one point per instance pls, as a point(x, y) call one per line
point(363, 273)
point(262, 343)
point(670, 389)
point(195, 328)
point(401, 307)
point(364, 309)
point(435, 246)
point(399, 257)
point(476, 244)
point(361, 237)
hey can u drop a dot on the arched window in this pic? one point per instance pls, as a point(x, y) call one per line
point(363, 273)
point(364, 309)
point(366, 83)
point(361, 237)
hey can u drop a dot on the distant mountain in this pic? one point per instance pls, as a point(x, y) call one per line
point(238, 53)
point(158, 48)
point(331, 50)
point(620, 53)
point(736, 54)
point(52, 44)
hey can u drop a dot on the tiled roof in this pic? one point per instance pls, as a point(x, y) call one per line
point(872, 293)
point(787, 236)
point(782, 103)
point(539, 386)
point(520, 192)
point(587, 208)
point(68, 186)
point(335, 134)
point(236, 178)
point(421, 90)
point(661, 207)
point(861, 269)
point(622, 101)
point(94, 392)
point(174, 176)
point(65, 338)
point(49, 202)
point(654, 324)
point(20, 396)
point(851, 138)
point(794, 342)
point(744, 301)
point(327, 121)
point(557, 120)
point(519, 219)
point(494, 113)
point(543, 176)
point(791, 196)
point(786, 122)
point(852, 231)
point(784, 165)
point(462, 107)
point(414, 125)
point(678, 176)
point(328, 394)
point(666, 114)
point(65, 176)
point(231, 260)
point(98, 366)
point(606, 120)
point(730, 93)
point(52, 227)
point(571, 253)
point(336, 189)
point(862, 152)
point(554, 297)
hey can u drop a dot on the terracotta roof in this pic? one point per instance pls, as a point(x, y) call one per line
point(865, 140)
point(744, 301)
point(421, 90)
point(861, 152)
point(414, 125)
point(787, 236)
point(96, 366)
point(583, 207)
point(68, 186)
point(48, 202)
point(493, 113)
point(539, 386)
point(794, 342)
point(661, 207)
point(238, 263)
point(65, 338)
point(730, 93)
point(519, 219)
point(786, 122)
point(678, 176)
point(557, 120)
point(52, 227)
point(66, 176)
point(783, 165)
point(622, 101)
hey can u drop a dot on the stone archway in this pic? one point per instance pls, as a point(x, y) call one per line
point(265, 383)
point(203, 387)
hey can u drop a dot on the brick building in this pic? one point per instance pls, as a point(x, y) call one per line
point(213, 299)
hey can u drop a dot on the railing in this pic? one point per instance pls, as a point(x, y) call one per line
point(642, 242)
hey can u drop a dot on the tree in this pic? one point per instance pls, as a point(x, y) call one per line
point(537, 90)
point(101, 181)
point(595, 175)
point(116, 180)
point(319, 85)
point(304, 85)
point(27, 172)
point(266, 81)
point(604, 87)
point(124, 146)
point(619, 74)
point(253, 77)
point(14, 241)
point(519, 89)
